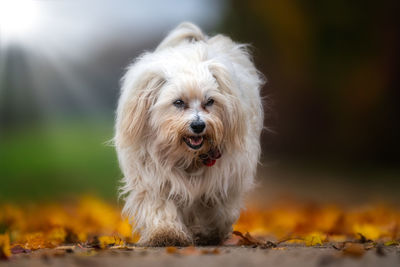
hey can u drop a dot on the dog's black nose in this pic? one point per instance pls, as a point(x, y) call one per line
point(197, 126)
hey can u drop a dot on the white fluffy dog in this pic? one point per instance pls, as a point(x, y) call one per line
point(187, 135)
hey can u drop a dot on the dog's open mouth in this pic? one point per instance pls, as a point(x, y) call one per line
point(194, 142)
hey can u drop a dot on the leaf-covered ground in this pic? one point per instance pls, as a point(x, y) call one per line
point(91, 227)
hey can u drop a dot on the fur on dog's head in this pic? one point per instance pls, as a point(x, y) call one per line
point(180, 101)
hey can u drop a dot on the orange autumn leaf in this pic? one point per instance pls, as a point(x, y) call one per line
point(369, 231)
point(248, 240)
point(354, 250)
point(171, 250)
point(314, 239)
point(5, 250)
point(106, 241)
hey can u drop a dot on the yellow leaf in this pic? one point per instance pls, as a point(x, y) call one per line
point(314, 239)
point(368, 230)
point(124, 229)
point(105, 241)
point(56, 236)
point(5, 251)
point(391, 243)
point(35, 241)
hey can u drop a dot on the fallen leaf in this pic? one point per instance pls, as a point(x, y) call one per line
point(34, 241)
point(367, 232)
point(391, 243)
point(106, 241)
point(353, 250)
point(314, 239)
point(5, 251)
point(248, 240)
point(16, 249)
point(214, 251)
point(171, 250)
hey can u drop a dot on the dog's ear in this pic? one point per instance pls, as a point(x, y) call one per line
point(185, 31)
point(133, 109)
point(234, 118)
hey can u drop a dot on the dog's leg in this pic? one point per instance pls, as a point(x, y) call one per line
point(158, 222)
point(213, 225)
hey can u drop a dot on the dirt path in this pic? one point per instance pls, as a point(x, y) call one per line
point(221, 257)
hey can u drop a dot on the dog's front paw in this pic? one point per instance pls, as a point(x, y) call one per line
point(165, 238)
point(213, 239)
point(208, 240)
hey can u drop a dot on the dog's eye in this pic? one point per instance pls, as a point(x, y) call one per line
point(179, 103)
point(210, 102)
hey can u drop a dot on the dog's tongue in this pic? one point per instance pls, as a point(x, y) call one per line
point(196, 140)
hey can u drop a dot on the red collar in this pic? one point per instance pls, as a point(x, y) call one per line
point(211, 157)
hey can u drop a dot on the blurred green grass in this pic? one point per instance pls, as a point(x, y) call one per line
point(58, 160)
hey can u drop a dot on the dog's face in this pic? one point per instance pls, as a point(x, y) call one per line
point(189, 113)
point(184, 113)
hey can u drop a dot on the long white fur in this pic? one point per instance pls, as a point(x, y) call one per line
point(170, 197)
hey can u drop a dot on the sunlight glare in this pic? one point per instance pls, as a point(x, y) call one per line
point(17, 17)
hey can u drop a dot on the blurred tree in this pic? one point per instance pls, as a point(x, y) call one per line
point(17, 100)
point(332, 75)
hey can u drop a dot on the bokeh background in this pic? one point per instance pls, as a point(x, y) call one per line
point(331, 101)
